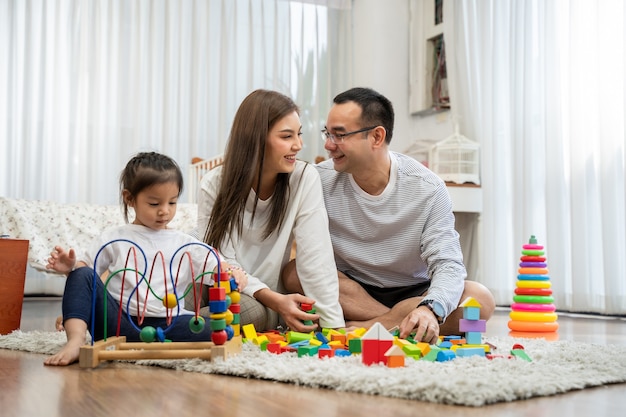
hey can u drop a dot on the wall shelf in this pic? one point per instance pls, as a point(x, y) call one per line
point(466, 198)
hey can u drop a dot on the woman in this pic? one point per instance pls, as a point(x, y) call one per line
point(252, 208)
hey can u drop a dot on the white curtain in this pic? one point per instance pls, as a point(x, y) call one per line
point(86, 84)
point(540, 84)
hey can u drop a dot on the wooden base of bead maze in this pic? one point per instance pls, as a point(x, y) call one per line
point(116, 348)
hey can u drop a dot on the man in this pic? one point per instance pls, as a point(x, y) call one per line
point(398, 255)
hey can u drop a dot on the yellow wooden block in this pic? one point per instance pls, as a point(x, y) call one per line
point(218, 316)
point(259, 340)
point(223, 284)
point(249, 332)
point(315, 342)
point(487, 348)
point(360, 332)
point(424, 348)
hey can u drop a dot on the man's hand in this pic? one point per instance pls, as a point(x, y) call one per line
point(423, 320)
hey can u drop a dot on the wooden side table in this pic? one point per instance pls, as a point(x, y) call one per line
point(13, 258)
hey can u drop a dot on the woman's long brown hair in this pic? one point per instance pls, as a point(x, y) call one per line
point(243, 162)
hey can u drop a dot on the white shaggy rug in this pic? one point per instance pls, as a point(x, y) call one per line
point(556, 367)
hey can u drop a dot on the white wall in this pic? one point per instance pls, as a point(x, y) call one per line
point(381, 61)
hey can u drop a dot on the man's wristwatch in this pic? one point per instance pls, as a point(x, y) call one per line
point(435, 307)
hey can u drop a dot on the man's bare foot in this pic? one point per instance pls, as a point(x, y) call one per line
point(66, 356)
point(353, 324)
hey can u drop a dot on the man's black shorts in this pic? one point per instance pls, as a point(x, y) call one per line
point(392, 296)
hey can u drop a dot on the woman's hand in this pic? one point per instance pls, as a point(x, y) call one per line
point(288, 307)
point(294, 316)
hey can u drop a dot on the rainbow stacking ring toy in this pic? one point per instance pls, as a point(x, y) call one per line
point(533, 308)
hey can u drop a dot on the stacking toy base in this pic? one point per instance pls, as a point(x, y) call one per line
point(533, 326)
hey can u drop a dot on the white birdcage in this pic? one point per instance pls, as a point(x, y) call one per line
point(419, 150)
point(456, 159)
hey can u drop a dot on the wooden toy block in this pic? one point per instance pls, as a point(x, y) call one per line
point(315, 342)
point(321, 337)
point(471, 313)
point(424, 347)
point(521, 354)
point(354, 345)
point(342, 352)
point(307, 350)
point(217, 294)
point(369, 352)
point(472, 325)
point(469, 351)
point(474, 338)
point(249, 332)
point(431, 356)
point(470, 302)
point(273, 347)
point(340, 337)
point(326, 353)
point(293, 337)
point(445, 344)
point(492, 356)
point(445, 355)
point(259, 340)
point(394, 357)
point(412, 350)
point(359, 332)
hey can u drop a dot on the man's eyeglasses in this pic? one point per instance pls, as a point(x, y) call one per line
point(339, 137)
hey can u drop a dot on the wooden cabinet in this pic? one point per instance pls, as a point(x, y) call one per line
point(13, 258)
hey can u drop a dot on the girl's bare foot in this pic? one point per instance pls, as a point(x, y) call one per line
point(67, 355)
point(75, 329)
point(59, 324)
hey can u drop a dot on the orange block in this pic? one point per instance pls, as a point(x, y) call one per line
point(395, 361)
point(339, 337)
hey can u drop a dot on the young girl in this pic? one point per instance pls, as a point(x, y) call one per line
point(257, 203)
point(151, 184)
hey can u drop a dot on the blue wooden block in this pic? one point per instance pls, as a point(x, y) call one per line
point(473, 338)
point(470, 351)
point(445, 355)
point(471, 313)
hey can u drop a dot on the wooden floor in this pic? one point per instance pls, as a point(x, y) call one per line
point(27, 388)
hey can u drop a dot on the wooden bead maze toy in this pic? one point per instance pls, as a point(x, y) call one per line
point(223, 306)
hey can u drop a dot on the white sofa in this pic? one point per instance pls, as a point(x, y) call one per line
point(46, 224)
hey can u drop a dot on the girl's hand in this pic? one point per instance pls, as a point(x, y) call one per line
point(61, 261)
point(241, 276)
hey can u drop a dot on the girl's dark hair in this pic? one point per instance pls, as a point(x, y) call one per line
point(376, 109)
point(145, 170)
point(243, 165)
